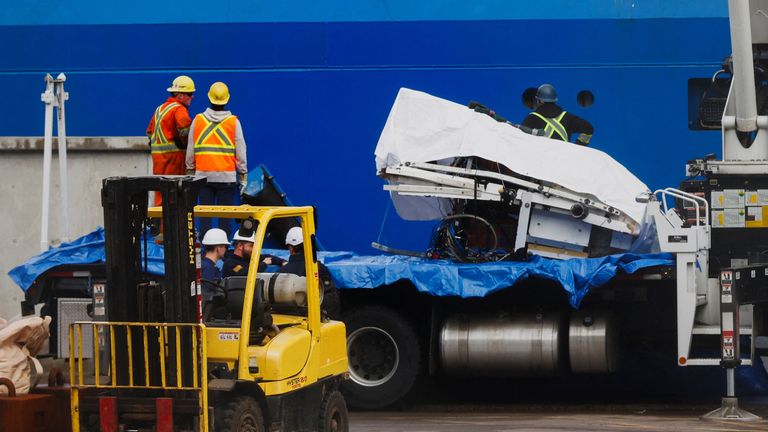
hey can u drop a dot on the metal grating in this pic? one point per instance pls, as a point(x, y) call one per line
point(70, 310)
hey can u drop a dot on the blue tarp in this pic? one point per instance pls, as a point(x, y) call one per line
point(87, 249)
point(444, 278)
point(439, 278)
point(349, 270)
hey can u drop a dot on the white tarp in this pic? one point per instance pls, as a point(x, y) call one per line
point(423, 128)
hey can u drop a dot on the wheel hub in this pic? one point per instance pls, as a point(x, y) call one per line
point(373, 356)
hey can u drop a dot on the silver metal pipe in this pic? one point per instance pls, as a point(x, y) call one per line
point(743, 66)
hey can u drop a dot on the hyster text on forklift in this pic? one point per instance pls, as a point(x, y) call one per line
point(259, 355)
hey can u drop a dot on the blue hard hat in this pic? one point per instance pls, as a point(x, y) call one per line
point(546, 93)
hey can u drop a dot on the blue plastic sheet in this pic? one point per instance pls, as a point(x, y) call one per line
point(444, 278)
point(256, 180)
point(439, 278)
point(436, 277)
point(87, 249)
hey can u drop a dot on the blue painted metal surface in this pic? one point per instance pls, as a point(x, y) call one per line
point(46, 12)
point(313, 85)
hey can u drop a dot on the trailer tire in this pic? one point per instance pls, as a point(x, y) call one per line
point(384, 357)
point(333, 413)
point(239, 414)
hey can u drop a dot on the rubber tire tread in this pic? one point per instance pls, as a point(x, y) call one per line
point(229, 411)
point(398, 386)
point(333, 400)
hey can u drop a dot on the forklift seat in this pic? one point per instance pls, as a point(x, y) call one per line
point(234, 288)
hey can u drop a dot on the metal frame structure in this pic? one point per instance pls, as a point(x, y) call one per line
point(125, 213)
point(144, 375)
point(691, 245)
point(54, 97)
point(445, 181)
point(533, 199)
point(746, 285)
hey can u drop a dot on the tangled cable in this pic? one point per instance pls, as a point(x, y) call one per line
point(450, 240)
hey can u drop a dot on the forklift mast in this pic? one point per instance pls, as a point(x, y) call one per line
point(131, 296)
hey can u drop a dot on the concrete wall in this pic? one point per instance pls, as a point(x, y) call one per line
point(21, 162)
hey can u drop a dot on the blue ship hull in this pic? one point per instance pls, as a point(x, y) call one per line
point(313, 89)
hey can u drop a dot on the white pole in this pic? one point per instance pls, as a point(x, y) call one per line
point(743, 66)
point(47, 98)
point(62, 96)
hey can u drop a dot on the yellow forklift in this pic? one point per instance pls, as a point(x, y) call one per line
point(260, 355)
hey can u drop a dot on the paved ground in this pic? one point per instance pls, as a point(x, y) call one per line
point(548, 418)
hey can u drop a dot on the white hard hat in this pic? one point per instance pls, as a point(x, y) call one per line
point(238, 237)
point(214, 237)
point(294, 237)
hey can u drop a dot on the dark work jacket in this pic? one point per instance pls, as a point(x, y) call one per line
point(235, 265)
point(330, 295)
point(573, 124)
point(296, 266)
point(208, 270)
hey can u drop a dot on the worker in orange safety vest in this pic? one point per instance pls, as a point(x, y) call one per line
point(216, 150)
point(168, 130)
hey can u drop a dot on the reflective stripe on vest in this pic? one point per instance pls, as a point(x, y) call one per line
point(215, 144)
point(553, 125)
point(159, 142)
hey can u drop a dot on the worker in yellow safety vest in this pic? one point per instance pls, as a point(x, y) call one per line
point(557, 123)
point(216, 150)
point(168, 130)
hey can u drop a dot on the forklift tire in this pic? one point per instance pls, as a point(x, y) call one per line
point(333, 413)
point(384, 357)
point(239, 414)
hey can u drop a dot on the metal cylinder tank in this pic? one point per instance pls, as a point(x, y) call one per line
point(592, 342)
point(285, 289)
point(502, 345)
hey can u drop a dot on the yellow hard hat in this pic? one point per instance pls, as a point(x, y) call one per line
point(219, 93)
point(182, 84)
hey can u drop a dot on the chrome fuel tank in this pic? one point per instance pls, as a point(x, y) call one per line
point(502, 345)
point(592, 343)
